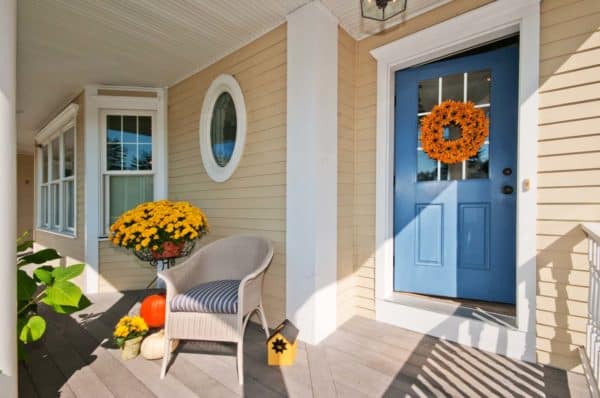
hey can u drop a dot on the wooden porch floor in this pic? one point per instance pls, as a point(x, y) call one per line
point(363, 358)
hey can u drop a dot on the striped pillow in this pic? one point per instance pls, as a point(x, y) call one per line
point(220, 297)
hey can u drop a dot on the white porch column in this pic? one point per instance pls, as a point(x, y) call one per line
point(311, 212)
point(8, 199)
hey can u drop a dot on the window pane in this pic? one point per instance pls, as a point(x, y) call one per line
point(428, 94)
point(45, 163)
point(145, 157)
point(69, 152)
point(223, 129)
point(145, 129)
point(113, 156)
point(54, 205)
point(130, 129)
point(113, 127)
point(127, 192)
point(478, 87)
point(44, 206)
point(130, 157)
point(69, 203)
point(55, 162)
point(452, 87)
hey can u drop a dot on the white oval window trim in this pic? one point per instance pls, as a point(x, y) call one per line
point(222, 84)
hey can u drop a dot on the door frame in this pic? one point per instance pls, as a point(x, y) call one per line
point(476, 27)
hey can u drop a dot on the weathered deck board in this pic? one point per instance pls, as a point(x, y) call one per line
point(362, 359)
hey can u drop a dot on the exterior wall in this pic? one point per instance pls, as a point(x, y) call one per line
point(346, 100)
point(119, 269)
point(569, 171)
point(25, 193)
point(252, 201)
point(71, 247)
point(365, 137)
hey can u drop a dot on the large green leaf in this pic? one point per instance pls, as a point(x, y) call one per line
point(66, 309)
point(39, 257)
point(43, 274)
point(66, 273)
point(63, 293)
point(33, 329)
point(26, 286)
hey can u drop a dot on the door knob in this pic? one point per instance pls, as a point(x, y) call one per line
point(507, 190)
point(507, 171)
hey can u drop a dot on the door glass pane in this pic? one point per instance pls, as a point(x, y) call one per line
point(428, 94)
point(69, 151)
point(54, 205)
point(55, 162)
point(126, 192)
point(45, 163)
point(478, 166)
point(478, 87)
point(44, 206)
point(69, 201)
point(453, 87)
point(426, 167)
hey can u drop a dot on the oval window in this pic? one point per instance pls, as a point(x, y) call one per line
point(223, 129)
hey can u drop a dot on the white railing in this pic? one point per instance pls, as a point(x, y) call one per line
point(592, 349)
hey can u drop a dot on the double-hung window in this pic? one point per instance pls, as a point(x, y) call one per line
point(56, 188)
point(128, 174)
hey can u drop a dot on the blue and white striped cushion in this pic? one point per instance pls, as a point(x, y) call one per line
point(213, 297)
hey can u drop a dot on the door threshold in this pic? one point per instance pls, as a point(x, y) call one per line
point(490, 313)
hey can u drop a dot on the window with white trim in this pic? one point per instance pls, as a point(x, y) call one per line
point(56, 170)
point(127, 171)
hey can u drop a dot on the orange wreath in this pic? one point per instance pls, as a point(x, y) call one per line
point(474, 127)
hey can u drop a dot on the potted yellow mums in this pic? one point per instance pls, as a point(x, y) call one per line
point(128, 335)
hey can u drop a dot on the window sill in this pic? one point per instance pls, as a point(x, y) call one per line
point(57, 233)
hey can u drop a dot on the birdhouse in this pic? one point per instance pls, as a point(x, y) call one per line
point(282, 345)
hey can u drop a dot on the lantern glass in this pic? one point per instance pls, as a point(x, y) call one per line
point(381, 10)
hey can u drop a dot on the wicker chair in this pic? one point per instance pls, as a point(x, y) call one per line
point(241, 260)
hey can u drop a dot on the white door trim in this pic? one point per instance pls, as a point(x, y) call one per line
point(473, 28)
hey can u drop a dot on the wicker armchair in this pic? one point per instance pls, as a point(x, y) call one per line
point(232, 268)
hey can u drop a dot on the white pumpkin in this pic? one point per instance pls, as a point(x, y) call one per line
point(153, 346)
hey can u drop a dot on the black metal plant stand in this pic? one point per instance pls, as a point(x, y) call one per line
point(163, 264)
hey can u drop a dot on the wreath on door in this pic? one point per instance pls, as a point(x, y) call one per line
point(474, 126)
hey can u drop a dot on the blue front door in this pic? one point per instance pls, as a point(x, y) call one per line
point(454, 224)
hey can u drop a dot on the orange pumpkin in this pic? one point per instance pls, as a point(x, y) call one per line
point(153, 310)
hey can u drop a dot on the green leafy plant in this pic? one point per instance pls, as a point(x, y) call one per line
point(50, 286)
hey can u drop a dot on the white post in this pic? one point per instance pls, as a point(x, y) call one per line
point(311, 203)
point(8, 200)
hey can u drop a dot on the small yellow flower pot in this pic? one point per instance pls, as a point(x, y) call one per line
point(131, 348)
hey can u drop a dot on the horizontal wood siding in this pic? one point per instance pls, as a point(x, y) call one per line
point(346, 98)
point(253, 200)
point(365, 138)
point(25, 193)
point(569, 173)
point(72, 248)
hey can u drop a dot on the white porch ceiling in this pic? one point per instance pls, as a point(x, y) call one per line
point(64, 45)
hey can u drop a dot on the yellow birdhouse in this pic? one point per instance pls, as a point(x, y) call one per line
point(282, 345)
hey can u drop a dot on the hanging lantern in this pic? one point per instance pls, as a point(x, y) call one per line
point(381, 10)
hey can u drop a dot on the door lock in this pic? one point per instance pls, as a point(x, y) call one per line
point(507, 190)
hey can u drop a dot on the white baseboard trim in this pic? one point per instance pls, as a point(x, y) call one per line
point(487, 336)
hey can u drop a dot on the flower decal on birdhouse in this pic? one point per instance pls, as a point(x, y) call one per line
point(279, 346)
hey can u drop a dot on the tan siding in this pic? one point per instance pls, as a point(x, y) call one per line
point(569, 171)
point(364, 156)
point(25, 193)
point(72, 248)
point(346, 102)
point(253, 200)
